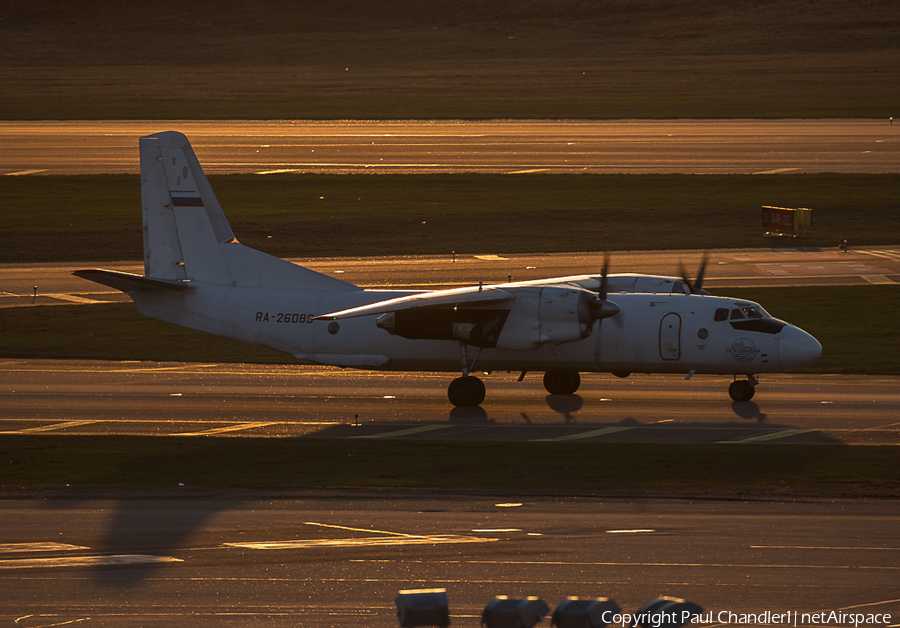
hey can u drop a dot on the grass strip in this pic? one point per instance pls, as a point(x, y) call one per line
point(467, 59)
point(98, 218)
point(560, 468)
point(855, 324)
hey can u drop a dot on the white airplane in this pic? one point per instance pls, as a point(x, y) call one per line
point(196, 274)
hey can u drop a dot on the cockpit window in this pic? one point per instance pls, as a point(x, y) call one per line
point(736, 314)
point(721, 314)
point(754, 312)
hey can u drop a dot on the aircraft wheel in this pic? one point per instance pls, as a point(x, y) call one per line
point(741, 390)
point(465, 392)
point(562, 382)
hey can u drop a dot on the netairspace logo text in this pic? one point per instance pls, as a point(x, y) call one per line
point(789, 618)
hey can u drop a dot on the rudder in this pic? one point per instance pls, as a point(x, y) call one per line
point(183, 222)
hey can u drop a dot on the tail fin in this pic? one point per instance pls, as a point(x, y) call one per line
point(186, 235)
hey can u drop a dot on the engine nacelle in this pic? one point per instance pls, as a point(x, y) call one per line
point(551, 314)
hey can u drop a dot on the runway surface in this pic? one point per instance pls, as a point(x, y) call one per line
point(497, 146)
point(727, 268)
point(88, 397)
point(339, 560)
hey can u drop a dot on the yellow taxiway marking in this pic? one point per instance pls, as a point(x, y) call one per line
point(24, 172)
point(588, 434)
point(825, 547)
point(50, 428)
point(412, 430)
point(371, 541)
point(634, 531)
point(70, 297)
point(86, 561)
point(369, 530)
point(878, 280)
point(389, 538)
point(228, 428)
point(887, 254)
point(768, 436)
point(9, 548)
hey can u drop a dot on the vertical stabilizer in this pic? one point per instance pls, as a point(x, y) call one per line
point(186, 235)
point(177, 200)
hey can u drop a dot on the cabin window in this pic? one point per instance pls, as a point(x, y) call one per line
point(721, 314)
point(736, 314)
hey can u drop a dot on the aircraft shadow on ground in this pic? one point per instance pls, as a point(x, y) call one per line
point(140, 524)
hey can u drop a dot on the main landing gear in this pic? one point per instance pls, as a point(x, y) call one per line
point(562, 382)
point(743, 389)
point(468, 390)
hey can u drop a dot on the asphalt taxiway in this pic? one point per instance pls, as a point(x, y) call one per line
point(339, 560)
point(160, 399)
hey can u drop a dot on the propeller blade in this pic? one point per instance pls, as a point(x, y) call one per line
point(604, 279)
point(684, 277)
point(698, 284)
point(600, 306)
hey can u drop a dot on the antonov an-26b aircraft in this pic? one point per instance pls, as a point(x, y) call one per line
point(196, 274)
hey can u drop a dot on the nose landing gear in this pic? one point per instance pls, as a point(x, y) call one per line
point(743, 389)
point(466, 391)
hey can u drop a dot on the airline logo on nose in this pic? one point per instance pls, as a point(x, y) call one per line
point(743, 350)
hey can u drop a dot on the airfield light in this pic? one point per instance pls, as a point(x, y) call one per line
point(506, 612)
point(666, 612)
point(575, 612)
point(423, 607)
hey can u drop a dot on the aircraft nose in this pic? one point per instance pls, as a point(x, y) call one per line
point(796, 348)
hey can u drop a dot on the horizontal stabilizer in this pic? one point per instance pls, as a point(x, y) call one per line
point(448, 298)
point(126, 282)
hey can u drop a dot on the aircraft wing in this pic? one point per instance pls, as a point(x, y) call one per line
point(449, 298)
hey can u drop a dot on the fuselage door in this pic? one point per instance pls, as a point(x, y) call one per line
point(670, 337)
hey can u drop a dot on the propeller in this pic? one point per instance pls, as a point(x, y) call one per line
point(696, 286)
point(600, 306)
